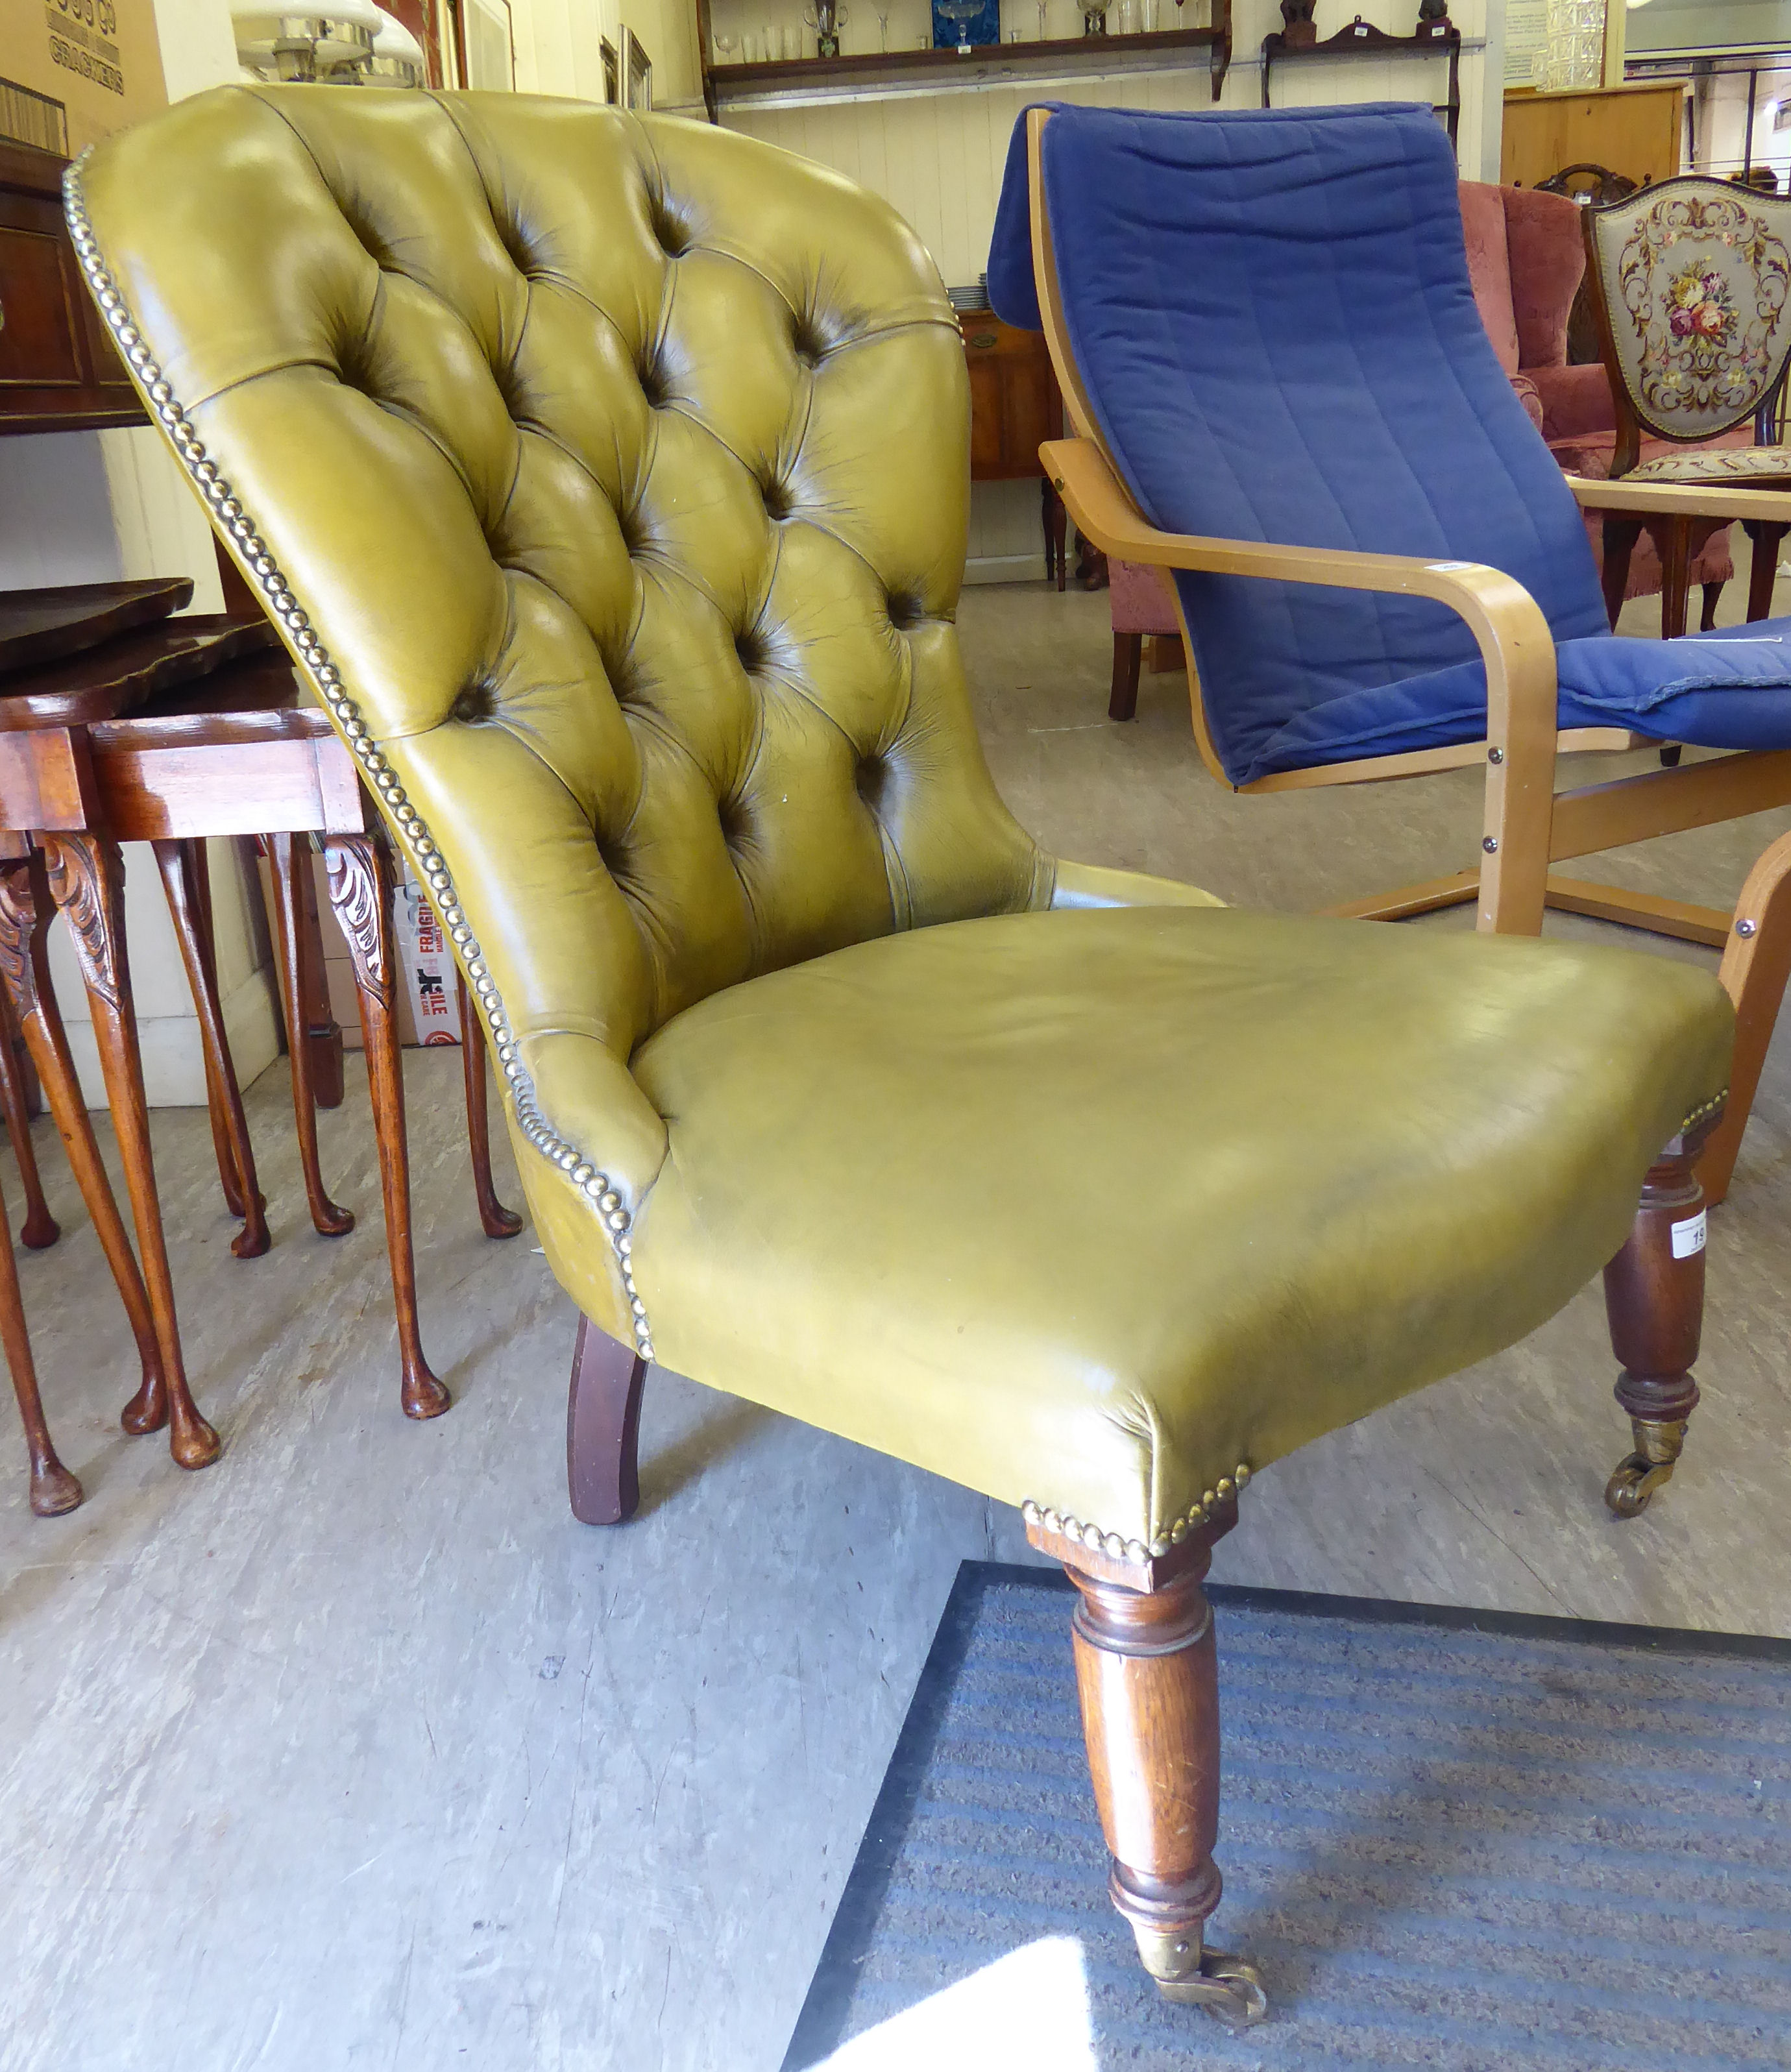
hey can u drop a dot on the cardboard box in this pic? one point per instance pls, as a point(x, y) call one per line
point(97, 61)
point(338, 973)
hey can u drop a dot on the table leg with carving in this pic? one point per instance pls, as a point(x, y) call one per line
point(288, 864)
point(39, 1228)
point(186, 881)
point(496, 1220)
point(26, 908)
point(321, 1030)
point(53, 1489)
point(86, 876)
point(360, 890)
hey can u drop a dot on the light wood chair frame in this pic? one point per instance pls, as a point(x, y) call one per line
point(1526, 824)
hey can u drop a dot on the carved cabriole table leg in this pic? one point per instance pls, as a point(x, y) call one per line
point(86, 875)
point(288, 860)
point(361, 893)
point(186, 881)
point(1654, 1298)
point(25, 907)
point(53, 1489)
point(40, 1228)
point(1147, 1676)
point(495, 1219)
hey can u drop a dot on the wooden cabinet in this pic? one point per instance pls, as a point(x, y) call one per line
point(1014, 407)
point(58, 371)
point(1014, 402)
point(1635, 130)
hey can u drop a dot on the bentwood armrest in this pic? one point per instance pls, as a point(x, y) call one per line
point(1686, 500)
point(1512, 635)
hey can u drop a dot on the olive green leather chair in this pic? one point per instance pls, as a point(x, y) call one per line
point(608, 477)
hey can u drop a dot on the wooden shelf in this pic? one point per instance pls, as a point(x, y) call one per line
point(733, 84)
point(1359, 40)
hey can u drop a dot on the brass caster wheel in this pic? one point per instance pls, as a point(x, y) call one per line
point(1631, 1487)
point(1226, 1987)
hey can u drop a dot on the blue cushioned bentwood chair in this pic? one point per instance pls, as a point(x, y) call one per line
point(1265, 333)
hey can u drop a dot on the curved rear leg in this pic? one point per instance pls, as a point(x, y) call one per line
point(603, 1428)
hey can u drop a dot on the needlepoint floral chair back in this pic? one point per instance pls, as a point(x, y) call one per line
point(1693, 281)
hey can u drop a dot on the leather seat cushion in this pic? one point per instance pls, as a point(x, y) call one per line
point(1087, 1208)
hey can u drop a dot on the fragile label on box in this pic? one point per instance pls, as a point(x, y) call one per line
point(428, 967)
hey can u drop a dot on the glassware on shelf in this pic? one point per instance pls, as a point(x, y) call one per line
point(1044, 9)
point(767, 44)
point(1094, 17)
point(960, 13)
point(1150, 16)
point(826, 18)
point(1126, 19)
point(726, 43)
point(883, 12)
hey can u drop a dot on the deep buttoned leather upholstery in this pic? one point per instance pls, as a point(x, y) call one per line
point(616, 468)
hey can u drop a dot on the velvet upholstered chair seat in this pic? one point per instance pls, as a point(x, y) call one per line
point(608, 477)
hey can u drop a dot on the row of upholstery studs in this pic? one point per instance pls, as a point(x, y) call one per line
point(227, 512)
point(1115, 1544)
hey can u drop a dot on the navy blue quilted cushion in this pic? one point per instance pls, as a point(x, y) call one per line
point(1272, 317)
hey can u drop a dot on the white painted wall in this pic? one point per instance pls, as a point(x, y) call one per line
point(94, 507)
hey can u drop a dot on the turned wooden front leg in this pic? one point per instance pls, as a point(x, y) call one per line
point(87, 881)
point(360, 890)
point(1147, 1676)
point(1654, 1297)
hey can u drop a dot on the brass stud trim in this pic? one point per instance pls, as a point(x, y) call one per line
point(152, 384)
point(1064, 1525)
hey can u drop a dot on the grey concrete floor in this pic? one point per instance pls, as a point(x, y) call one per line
point(356, 1751)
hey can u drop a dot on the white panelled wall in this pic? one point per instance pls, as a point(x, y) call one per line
point(95, 506)
point(938, 156)
point(559, 47)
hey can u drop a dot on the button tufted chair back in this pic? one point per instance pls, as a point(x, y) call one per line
point(610, 475)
